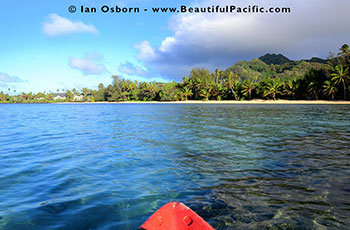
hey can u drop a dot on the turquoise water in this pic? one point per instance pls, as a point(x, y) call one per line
point(110, 166)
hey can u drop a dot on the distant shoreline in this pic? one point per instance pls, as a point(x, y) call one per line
point(279, 102)
point(256, 101)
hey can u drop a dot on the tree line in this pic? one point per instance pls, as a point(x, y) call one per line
point(293, 80)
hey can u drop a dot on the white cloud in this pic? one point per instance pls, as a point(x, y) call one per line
point(167, 43)
point(90, 64)
point(57, 26)
point(146, 52)
point(130, 69)
point(9, 79)
point(313, 28)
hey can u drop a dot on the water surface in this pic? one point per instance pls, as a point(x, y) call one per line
point(110, 166)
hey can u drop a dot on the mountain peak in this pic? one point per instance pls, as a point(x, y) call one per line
point(276, 59)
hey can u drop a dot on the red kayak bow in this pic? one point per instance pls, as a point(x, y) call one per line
point(175, 216)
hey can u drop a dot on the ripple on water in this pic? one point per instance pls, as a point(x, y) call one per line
point(109, 166)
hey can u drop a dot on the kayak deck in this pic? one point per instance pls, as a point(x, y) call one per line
point(175, 216)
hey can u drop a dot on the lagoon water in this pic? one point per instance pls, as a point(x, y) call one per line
point(110, 166)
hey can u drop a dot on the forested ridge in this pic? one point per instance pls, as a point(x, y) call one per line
point(270, 77)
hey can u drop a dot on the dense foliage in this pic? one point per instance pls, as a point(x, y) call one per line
point(269, 77)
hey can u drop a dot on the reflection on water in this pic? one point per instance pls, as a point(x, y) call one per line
point(110, 166)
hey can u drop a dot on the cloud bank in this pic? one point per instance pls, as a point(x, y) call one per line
point(57, 26)
point(313, 28)
point(7, 80)
point(130, 69)
point(90, 64)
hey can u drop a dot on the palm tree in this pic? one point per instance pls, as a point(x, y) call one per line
point(273, 88)
point(217, 76)
point(313, 89)
point(24, 96)
point(184, 81)
point(216, 91)
point(190, 84)
point(187, 92)
point(236, 86)
point(85, 92)
point(101, 86)
point(329, 89)
point(205, 93)
point(248, 87)
point(344, 52)
point(148, 91)
point(289, 88)
point(340, 77)
point(232, 83)
point(197, 87)
point(30, 96)
point(132, 86)
point(125, 89)
point(152, 88)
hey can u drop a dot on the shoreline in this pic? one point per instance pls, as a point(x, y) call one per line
point(258, 101)
point(251, 102)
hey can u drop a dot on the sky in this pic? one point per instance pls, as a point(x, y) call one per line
point(44, 47)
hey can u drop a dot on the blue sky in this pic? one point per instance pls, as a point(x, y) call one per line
point(43, 47)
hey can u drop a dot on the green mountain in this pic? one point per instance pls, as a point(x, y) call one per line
point(276, 59)
point(258, 69)
point(317, 60)
point(279, 59)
